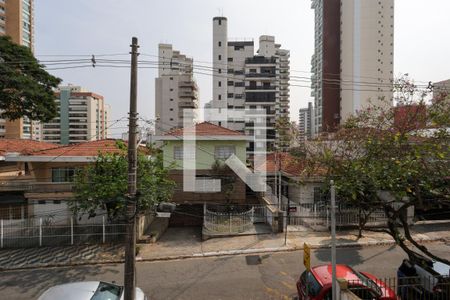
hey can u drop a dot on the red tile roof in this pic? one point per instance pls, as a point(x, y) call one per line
point(92, 148)
point(290, 165)
point(204, 129)
point(23, 146)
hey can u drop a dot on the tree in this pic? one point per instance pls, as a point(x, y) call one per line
point(221, 171)
point(381, 159)
point(26, 89)
point(103, 184)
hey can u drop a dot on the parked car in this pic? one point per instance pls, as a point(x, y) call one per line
point(423, 280)
point(316, 284)
point(88, 290)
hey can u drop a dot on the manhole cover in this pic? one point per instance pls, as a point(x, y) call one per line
point(253, 260)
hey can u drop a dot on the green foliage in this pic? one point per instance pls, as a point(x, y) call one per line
point(103, 184)
point(371, 155)
point(221, 171)
point(25, 87)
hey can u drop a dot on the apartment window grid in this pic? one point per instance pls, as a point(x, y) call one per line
point(224, 152)
point(63, 174)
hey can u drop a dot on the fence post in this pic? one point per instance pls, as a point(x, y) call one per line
point(328, 212)
point(103, 223)
point(230, 222)
point(40, 232)
point(1, 233)
point(315, 214)
point(71, 230)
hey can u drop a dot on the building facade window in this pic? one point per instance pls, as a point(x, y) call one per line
point(224, 152)
point(178, 153)
point(63, 174)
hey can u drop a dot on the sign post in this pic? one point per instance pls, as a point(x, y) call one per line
point(307, 257)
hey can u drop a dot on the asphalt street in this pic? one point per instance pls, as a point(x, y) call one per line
point(267, 276)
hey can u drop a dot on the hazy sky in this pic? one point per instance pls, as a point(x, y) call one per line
point(422, 44)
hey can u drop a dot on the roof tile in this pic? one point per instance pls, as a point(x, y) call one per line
point(204, 129)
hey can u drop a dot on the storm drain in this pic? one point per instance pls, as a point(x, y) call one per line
point(253, 260)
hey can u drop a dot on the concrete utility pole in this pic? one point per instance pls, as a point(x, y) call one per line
point(130, 243)
point(333, 240)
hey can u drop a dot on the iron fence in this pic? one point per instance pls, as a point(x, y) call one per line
point(403, 288)
point(317, 216)
point(217, 222)
point(34, 232)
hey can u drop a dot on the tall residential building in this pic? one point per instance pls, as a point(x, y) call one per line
point(352, 63)
point(441, 88)
point(305, 125)
point(17, 21)
point(83, 116)
point(175, 89)
point(243, 81)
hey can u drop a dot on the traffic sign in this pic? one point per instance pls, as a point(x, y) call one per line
point(306, 256)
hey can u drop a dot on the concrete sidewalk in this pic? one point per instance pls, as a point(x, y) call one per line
point(180, 243)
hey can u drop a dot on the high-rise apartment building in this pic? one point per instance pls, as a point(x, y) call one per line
point(175, 89)
point(305, 125)
point(17, 21)
point(243, 81)
point(83, 116)
point(353, 60)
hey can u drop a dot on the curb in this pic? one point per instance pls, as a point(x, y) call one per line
point(223, 253)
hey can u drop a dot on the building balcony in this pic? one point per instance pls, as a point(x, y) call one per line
point(187, 94)
point(257, 88)
point(187, 104)
point(261, 75)
point(27, 184)
point(188, 84)
point(261, 60)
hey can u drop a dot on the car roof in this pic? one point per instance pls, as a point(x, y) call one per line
point(323, 273)
point(441, 268)
point(71, 291)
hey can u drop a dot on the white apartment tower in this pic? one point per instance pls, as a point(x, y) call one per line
point(175, 89)
point(305, 126)
point(353, 60)
point(82, 116)
point(243, 81)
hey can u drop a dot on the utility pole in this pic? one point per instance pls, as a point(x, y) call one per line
point(130, 243)
point(333, 240)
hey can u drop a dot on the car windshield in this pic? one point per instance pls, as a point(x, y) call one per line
point(367, 282)
point(311, 283)
point(107, 291)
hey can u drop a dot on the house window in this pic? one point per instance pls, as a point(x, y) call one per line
point(223, 152)
point(220, 97)
point(220, 83)
point(178, 153)
point(230, 59)
point(63, 174)
point(220, 57)
point(220, 44)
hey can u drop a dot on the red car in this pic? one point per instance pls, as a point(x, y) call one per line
point(316, 284)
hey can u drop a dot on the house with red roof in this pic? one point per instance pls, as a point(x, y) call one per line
point(191, 153)
point(36, 178)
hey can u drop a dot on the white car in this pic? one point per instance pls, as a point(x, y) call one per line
point(88, 290)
